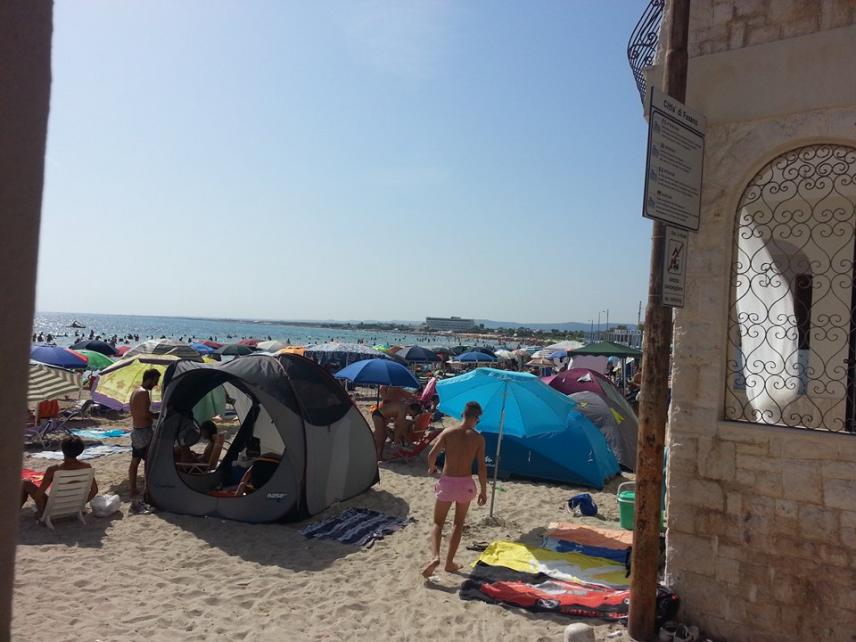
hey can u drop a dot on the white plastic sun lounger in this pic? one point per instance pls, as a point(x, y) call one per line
point(68, 495)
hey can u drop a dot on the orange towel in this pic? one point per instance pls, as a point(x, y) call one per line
point(590, 535)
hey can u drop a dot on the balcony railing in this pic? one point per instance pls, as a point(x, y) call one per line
point(642, 46)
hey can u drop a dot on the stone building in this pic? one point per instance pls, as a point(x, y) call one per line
point(761, 541)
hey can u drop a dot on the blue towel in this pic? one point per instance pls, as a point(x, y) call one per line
point(99, 434)
point(359, 526)
point(566, 546)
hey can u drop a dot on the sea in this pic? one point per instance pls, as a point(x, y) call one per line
point(58, 325)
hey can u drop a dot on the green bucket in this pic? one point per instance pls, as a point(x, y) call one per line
point(627, 506)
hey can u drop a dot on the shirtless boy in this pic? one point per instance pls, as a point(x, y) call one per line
point(462, 444)
point(142, 419)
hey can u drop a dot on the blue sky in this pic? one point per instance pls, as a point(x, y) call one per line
point(344, 160)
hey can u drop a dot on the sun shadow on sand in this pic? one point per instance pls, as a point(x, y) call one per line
point(68, 531)
point(281, 544)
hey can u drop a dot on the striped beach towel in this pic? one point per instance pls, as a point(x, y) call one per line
point(358, 526)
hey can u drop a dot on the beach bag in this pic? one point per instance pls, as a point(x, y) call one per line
point(104, 505)
point(584, 503)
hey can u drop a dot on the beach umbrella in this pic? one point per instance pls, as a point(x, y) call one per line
point(540, 362)
point(506, 355)
point(417, 354)
point(201, 348)
point(475, 357)
point(253, 343)
point(441, 350)
point(235, 350)
point(382, 347)
point(513, 403)
point(213, 344)
point(336, 352)
point(292, 350)
point(272, 346)
point(56, 356)
point(456, 350)
point(378, 372)
point(567, 346)
point(122, 350)
point(48, 382)
point(165, 346)
point(430, 390)
point(96, 360)
point(558, 354)
point(98, 346)
point(116, 383)
point(522, 353)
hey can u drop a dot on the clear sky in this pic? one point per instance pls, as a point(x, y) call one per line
point(345, 160)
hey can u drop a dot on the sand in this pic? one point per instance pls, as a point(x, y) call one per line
point(173, 577)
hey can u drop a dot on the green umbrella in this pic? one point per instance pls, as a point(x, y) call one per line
point(97, 361)
point(382, 347)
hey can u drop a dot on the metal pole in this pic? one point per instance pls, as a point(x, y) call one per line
point(653, 399)
point(498, 447)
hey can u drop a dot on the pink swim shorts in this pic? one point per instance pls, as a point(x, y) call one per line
point(455, 489)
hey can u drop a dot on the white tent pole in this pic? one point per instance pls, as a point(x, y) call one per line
point(498, 447)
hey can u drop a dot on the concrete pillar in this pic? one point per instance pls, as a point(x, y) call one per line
point(25, 78)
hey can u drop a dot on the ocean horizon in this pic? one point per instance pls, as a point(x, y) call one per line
point(58, 325)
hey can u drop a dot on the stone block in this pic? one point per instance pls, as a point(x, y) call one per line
point(727, 570)
point(834, 555)
point(802, 482)
point(839, 493)
point(706, 494)
point(759, 464)
point(768, 484)
point(810, 447)
point(716, 459)
point(839, 470)
point(732, 552)
point(835, 13)
point(694, 552)
point(733, 503)
point(848, 540)
point(743, 433)
point(786, 508)
point(751, 7)
point(723, 12)
point(848, 518)
point(818, 523)
point(786, 11)
point(759, 505)
point(760, 35)
point(752, 450)
point(745, 478)
point(801, 27)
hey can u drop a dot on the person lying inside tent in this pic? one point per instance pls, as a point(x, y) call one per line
point(259, 473)
point(71, 448)
point(396, 413)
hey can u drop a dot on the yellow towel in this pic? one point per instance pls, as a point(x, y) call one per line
point(574, 567)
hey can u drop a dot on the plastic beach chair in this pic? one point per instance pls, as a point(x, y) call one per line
point(415, 449)
point(68, 495)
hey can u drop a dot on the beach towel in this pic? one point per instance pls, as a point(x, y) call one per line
point(358, 526)
point(35, 476)
point(90, 453)
point(99, 434)
point(571, 566)
point(539, 592)
point(590, 535)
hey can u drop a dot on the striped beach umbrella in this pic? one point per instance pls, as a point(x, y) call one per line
point(47, 382)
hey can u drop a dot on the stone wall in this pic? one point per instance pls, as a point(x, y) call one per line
point(720, 25)
point(761, 541)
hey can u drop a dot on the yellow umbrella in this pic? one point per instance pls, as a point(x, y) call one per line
point(292, 350)
point(116, 383)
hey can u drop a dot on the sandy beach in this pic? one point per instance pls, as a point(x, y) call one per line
point(162, 576)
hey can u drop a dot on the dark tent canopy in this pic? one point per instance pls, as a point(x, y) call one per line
point(606, 349)
point(288, 406)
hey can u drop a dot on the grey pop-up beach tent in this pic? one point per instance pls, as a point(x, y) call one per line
point(294, 409)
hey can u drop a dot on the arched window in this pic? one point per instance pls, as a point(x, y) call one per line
point(792, 338)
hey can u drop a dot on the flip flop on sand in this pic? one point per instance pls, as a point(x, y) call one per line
point(478, 546)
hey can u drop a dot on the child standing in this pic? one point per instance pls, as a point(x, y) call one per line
point(462, 444)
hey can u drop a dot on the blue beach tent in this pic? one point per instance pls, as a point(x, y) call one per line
point(531, 429)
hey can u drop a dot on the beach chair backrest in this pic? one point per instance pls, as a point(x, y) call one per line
point(68, 493)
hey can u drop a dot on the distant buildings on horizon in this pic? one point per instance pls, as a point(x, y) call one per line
point(449, 324)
